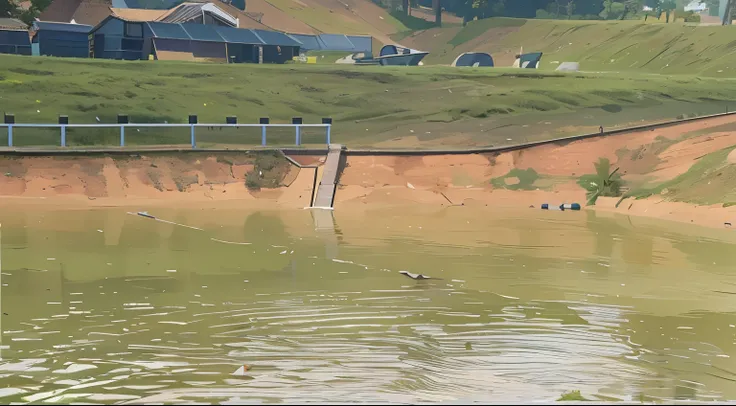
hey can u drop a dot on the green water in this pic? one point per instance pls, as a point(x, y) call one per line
point(100, 306)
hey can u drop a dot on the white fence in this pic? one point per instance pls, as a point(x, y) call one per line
point(298, 130)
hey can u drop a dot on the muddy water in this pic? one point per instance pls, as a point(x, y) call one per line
point(106, 307)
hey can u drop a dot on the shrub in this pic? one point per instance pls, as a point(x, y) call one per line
point(253, 181)
point(602, 183)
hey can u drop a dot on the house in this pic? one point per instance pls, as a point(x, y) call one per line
point(129, 38)
point(60, 39)
point(14, 37)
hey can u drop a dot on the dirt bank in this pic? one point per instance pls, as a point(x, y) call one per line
point(683, 173)
point(159, 179)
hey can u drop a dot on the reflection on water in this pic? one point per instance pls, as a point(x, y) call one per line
point(105, 307)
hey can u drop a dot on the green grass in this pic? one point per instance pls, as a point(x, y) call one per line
point(369, 104)
point(525, 178)
point(709, 181)
point(632, 46)
point(328, 57)
point(476, 28)
point(572, 396)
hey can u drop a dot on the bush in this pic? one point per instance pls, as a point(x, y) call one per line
point(602, 183)
point(253, 181)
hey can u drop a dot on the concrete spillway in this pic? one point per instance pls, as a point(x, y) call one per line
point(328, 184)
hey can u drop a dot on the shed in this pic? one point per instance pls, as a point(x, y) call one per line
point(14, 37)
point(119, 38)
point(61, 39)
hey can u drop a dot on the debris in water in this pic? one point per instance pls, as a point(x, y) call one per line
point(231, 242)
point(409, 185)
point(415, 276)
point(241, 371)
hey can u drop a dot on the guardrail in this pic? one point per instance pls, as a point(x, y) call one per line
point(62, 128)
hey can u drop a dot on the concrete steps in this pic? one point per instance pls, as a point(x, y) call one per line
point(328, 183)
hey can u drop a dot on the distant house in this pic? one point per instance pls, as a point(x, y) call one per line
point(14, 37)
point(125, 38)
point(61, 39)
point(92, 12)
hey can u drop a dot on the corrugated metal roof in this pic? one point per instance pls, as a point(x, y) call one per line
point(63, 27)
point(137, 14)
point(239, 36)
point(202, 32)
point(276, 38)
point(12, 24)
point(169, 31)
point(182, 13)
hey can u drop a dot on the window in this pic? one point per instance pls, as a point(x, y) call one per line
point(134, 30)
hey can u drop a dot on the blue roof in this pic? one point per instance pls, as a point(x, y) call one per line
point(238, 35)
point(308, 42)
point(276, 38)
point(202, 32)
point(168, 31)
point(64, 27)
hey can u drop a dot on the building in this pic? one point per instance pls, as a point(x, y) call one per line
point(119, 38)
point(93, 12)
point(334, 42)
point(14, 37)
point(60, 39)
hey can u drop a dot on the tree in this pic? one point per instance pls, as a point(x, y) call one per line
point(570, 8)
point(631, 6)
point(668, 6)
point(588, 7)
point(7, 8)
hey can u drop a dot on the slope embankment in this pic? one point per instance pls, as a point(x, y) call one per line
point(684, 173)
point(617, 46)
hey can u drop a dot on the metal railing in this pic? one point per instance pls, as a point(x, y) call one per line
point(62, 128)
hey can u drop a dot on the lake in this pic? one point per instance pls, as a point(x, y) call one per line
point(232, 306)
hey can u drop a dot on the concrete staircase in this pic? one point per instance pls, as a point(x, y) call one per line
point(328, 185)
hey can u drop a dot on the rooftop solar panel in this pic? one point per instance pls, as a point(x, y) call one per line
point(276, 38)
point(170, 31)
point(202, 32)
point(66, 27)
point(238, 35)
point(308, 42)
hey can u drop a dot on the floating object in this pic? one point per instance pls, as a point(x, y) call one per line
point(145, 214)
point(415, 276)
point(562, 207)
point(474, 59)
point(230, 242)
point(241, 371)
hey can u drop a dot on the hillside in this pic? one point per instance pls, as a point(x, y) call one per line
point(598, 45)
point(371, 105)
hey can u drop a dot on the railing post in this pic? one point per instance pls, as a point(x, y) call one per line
point(192, 122)
point(122, 120)
point(264, 121)
point(63, 121)
point(297, 121)
point(10, 120)
point(328, 121)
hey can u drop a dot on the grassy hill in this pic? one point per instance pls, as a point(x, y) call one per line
point(598, 45)
point(371, 105)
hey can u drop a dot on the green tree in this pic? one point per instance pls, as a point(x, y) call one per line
point(570, 8)
point(7, 8)
point(668, 6)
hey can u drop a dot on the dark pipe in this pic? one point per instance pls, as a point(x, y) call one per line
point(314, 187)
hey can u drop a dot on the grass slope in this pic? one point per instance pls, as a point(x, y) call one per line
point(369, 104)
point(597, 45)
